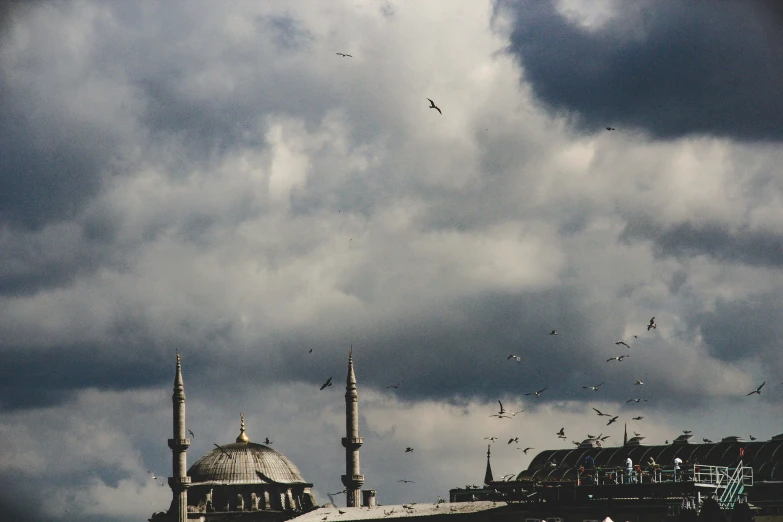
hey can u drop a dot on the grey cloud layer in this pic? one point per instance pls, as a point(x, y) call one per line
point(222, 185)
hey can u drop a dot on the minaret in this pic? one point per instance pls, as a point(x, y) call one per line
point(353, 479)
point(179, 480)
point(488, 474)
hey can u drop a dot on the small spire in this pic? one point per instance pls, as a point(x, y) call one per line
point(488, 474)
point(179, 386)
point(242, 435)
point(351, 380)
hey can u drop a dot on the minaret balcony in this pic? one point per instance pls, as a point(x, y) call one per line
point(179, 482)
point(352, 481)
point(179, 444)
point(352, 442)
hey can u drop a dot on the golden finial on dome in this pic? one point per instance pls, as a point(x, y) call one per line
point(242, 435)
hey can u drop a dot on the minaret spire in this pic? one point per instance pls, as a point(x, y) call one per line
point(179, 480)
point(353, 479)
point(488, 474)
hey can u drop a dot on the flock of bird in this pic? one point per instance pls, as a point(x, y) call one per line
point(505, 414)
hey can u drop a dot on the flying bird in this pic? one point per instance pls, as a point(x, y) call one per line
point(338, 493)
point(638, 383)
point(406, 481)
point(623, 343)
point(191, 434)
point(652, 324)
point(408, 450)
point(267, 441)
point(604, 437)
point(637, 434)
point(344, 55)
point(594, 388)
point(638, 418)
point(493, 439)
point(311, 350)
point(223, 451)
point(635, 400)
point(538, 393)
point(515, 439)
point(757, 391)
point(395, 385)
point(433, 106)
point(561, 433)
point(600, 414)
point(526, 450)
point(666, 441)
point(752, 437)
point(327, 383)
point(507, 476)
point(610, 128)
point(502, 409)
point(512, 356)
point(687, 432)
point(553, 332)
point(612, 420)
point(707, 441)
point(502, 416)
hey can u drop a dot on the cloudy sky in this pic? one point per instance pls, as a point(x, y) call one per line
point(212, 179)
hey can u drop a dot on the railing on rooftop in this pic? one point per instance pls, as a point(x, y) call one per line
point(711, 476)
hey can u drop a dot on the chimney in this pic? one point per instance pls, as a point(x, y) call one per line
point(368, 498)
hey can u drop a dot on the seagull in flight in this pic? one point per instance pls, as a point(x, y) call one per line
point(594, 388)
point(600, 414)
point(502, 409)
point(757, 391)
point(652, 324)
point(619, 358)
point(635, 400)
point(515, 439)
point(409, 450)
point(507, 476)
point(612, 420)
point(604, 437)
point(637, 418)
point(327, 383)
point(526, 450)
point(344, 55)
point(406, 481)
point(687, 432)
point(433, 106)
point(492, 439)
point(267, 441)
point(553, 332)
point(752, 437)
point(395, 385)
point(191, 434)
point(561, 433)
point(512, 356)
point(637, 434)
point(638, 383)
point(610, 128)
point(223, 451)
point(538, 393)
point(623, 343)
point(707, 441)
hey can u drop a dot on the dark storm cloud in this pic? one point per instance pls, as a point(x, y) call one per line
point(743, 329)
point(683, 240)
point(669, 68)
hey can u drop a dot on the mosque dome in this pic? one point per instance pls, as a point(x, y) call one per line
point(249, 463)
point(244, 462)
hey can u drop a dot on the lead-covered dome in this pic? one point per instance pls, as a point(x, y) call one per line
point(248, 463)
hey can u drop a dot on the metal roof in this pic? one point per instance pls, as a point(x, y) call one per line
point(249, 464)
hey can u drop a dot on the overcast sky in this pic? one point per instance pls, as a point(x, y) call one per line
point(213, 179)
